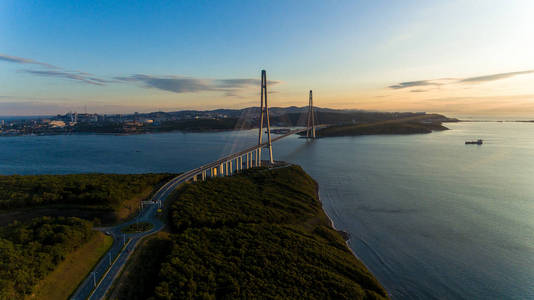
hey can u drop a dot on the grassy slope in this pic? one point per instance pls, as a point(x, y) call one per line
point(258, 235)
point(64, 280)
point(408, 125)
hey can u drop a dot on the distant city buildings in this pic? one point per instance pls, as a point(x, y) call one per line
point(105, 123)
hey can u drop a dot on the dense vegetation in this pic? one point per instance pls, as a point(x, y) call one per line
point(142, 272)
point(137, 227)
point(262, 234)
point(29, 251)
point(105, 191)
point(339, 117)
point(411, 125)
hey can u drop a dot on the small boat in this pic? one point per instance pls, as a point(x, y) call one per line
point(477, 142)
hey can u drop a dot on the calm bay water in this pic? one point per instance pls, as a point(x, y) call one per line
point(430, 216)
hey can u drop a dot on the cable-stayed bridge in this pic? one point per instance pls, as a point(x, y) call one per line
point(97, 284)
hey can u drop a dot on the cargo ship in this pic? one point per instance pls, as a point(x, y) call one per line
point(477, 142)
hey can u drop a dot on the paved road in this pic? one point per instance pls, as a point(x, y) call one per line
point(118, 254)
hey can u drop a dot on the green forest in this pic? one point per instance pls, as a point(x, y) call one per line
point(31, 250)
point(262, 234)
point(411, 125)
point(106, 191)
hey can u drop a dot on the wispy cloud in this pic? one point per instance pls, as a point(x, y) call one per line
point(446, 81)
point(494, 77)
point(172, 83)
point(181, 84)
point(21, 60)
point(409, 84)
point(175, 84)
point(54, 71)
point(79, 76)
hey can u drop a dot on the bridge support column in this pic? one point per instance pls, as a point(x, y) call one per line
point(213, 172)
point(264, 112)
point(195, 178)
point(253, 160)
point(204, 175)
point(226, 171)
point(231, 171)
point(221, 169)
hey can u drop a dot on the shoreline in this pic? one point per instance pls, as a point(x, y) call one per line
point(339, 231)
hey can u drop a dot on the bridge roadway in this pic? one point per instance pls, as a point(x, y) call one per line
point(96, 285)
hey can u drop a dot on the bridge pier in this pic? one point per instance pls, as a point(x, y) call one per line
point(231, 171)
point(221, 171)
point(204, 175)
point(195, 178)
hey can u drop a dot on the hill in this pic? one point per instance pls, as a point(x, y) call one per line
point(410, 125)
point(260, 234)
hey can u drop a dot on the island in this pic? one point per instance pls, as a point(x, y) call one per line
point(425, 123)
point(261, 233)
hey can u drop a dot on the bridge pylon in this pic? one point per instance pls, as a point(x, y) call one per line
point(264, 112)
point(310, 132)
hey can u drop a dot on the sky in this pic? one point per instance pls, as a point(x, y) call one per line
point(452, 57)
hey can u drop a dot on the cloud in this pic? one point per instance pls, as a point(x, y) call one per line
point(176, 84)
point(79, 76)
point(494, 77)
point(20, 60)
point(409, 84)
point(182, 84)
point(418, 91)
point(54, 71)
point(446, 81)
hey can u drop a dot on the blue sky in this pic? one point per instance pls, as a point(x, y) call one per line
point(123, 56)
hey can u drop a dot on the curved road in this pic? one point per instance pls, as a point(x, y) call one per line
point(97, 284)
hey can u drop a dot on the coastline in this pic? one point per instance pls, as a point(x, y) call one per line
point(347, 238)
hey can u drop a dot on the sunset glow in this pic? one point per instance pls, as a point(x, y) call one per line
point(454, 57)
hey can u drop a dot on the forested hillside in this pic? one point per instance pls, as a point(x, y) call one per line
point(30, 251)
point(106, 191)
point(261, 234)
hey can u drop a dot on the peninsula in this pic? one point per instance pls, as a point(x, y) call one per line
point(261, 232)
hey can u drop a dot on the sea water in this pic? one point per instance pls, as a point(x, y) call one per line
point(431, 217)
